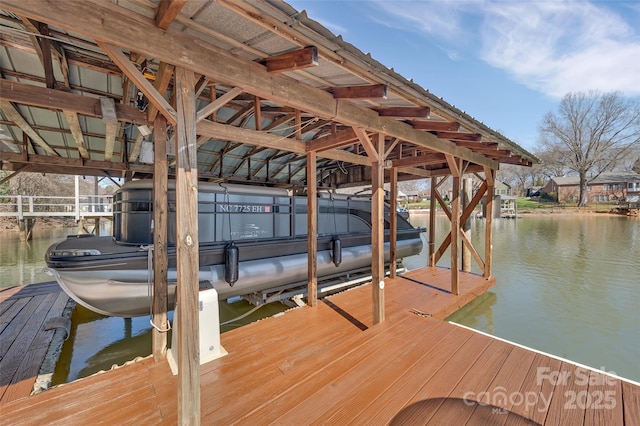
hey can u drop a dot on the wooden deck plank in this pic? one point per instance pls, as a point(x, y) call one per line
point(631, 403)
point(30, 290)
point(359, 397)
point(508, 380)
point(253, 351)
point(4, 306)
point(601, 405)
point(385, 406)
point(328, 365)
point(489, 363)
point(6, 293)
point(298, 376)
point(17, 322)
point(76, 396)
point(540, 412)
point(565, 407)
point(12, 308)
point(340, 377)
point(533, 393)
point(413, 408)
point(429, 398)
point(23, 379)
point(20, 337)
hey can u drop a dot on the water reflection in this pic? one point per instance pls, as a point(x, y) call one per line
point(23, 262)
point(566, 285)
point(98, 342)
point(478, 314)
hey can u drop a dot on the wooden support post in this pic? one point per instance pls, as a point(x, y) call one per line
point(393, 222)
point(77, 197)
point(488, 239)
point(312, 229)
point(257, 113)
point(25, 226)
point(31, 222)
point(455, 165)
point(377, 231)
point(432, 222)
point(96, 226)
point(21, 229)
point(455, 235)
point(187, 251)
point(160, 219)
point(466, 226)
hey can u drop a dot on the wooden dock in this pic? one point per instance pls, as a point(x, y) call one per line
point(24, 339)
point(329, 365)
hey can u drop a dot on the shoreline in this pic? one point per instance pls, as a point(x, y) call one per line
point(9, 225)
point(547, 212)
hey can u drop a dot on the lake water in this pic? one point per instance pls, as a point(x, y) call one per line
point(566, 285)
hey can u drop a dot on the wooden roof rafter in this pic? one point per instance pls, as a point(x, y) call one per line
point(375, 91)
point(130, 70)
point(300, 30)
point(237, 70)
point(458, 136)
point(167, 12)
point(280, 100)
point(404, 112)
point(422, 160)
point(42, 46)
point(45, 48)
point(448, 126)
point(292, 60)
point(12, 112)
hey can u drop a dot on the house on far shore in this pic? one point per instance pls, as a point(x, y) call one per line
point(606, 187)
point(502, 188)
point(507, 200)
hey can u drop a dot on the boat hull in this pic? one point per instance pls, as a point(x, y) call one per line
point(269, 227)
point(117, 290)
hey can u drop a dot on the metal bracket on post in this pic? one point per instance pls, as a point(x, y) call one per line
point(210, 347)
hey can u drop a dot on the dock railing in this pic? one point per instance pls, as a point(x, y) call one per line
point(77, 207)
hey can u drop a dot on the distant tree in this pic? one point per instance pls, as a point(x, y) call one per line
point(590, 133)
point(412, 186)
point(551, 163)
point(630, 161)
point(520, 178)
point(42, 184)
point(4, 188)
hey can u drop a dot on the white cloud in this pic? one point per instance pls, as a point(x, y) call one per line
point(553, 47)
point(560, 47)
point(440, 18)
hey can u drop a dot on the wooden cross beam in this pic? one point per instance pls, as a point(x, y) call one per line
point(293, 60)
point(404, 112)
point(450, 126)
point(167, 11)
point(377, 91)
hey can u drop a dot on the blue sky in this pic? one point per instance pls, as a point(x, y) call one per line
point(506, 63)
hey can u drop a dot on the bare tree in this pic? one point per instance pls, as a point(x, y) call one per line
point(413, 186)
point(591, 132)
point(551, 163)
point(520, 178)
